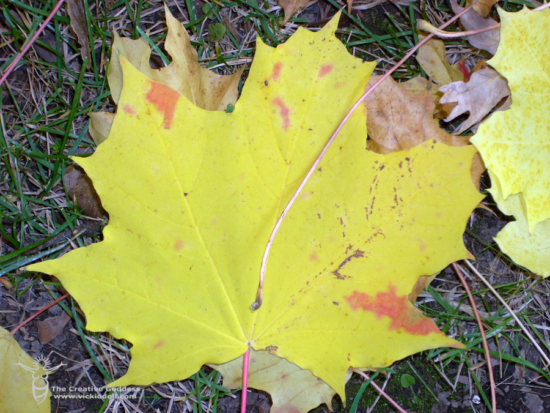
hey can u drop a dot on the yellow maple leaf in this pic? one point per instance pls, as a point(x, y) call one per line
point(529, 249)
point(22, 387)
point(515, 144)
point(192, 197)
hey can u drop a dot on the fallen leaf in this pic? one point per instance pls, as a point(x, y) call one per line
point(483, 7)
point(528, 249)
point(204, 88)
point(184, 74)
point(471, 20)
point(100, 126)
point(191, 210)
point(478, 97)
point(292, 389)
point(77, 14)
point(292, 6)
point(514, 144)
point(17, 393)
point(80, 187)
point(433, 59)
point(400, 119)
point(51, 327)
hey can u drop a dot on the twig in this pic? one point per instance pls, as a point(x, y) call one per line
point(484, 338)
point(512, 313)
point(259, 295)
point(428, 27)
point(32, 317)
point(382, 392)
point(30, 42)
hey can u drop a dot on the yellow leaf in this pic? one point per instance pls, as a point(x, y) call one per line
point(193, 195)
point(22, 388)
point(292, 389)
point(515, 144)
point(528, 249)
point(433, 59)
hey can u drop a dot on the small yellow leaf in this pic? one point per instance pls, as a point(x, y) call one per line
point(22, 388)
point(292, 389)
point(528, 249)
point(433, 59)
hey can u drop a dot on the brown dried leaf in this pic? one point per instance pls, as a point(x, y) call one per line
point(433, 59)
point(483, 7)
point(479, 96)
point(399, 119)
point(293, 6)
point(472, 21)
point(77, 13)
point(51, 327)
point(100, 126)
point(80, 187)
point(204, 88)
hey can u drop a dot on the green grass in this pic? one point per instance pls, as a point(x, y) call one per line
point(44, 122)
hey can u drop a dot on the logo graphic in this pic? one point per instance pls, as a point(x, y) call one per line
point(39, 387)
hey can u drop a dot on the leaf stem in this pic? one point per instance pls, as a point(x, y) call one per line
point(244, 394)
point(484, 338)
point(259, 295)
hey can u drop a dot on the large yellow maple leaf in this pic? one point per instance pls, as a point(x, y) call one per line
point(193, 195)
point(515, 144)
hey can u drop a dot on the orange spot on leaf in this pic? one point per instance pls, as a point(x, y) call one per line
point(129, 110)
point(158, 344)
point(277, 71)
point(179, 244)
point(165, 100)
point(422, 244)
point(325, 70)
point(401, 312)
point(284, 111)
point(314, 257)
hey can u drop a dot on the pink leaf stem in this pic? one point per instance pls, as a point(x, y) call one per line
point(244, 394)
